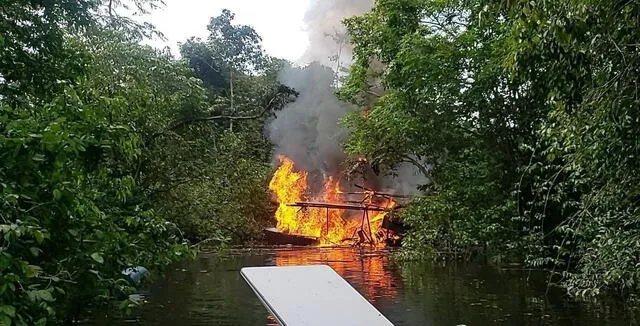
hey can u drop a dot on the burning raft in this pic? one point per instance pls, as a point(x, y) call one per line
point(364, 217)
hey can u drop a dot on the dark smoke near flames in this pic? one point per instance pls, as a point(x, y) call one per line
point(308, 130)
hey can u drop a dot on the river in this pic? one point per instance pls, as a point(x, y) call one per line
point(210, 291)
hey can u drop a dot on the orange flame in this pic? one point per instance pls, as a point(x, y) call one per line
point(330, 226)
point(370, 273)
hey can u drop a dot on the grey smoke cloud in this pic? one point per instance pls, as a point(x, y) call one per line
point(404, 181)
point(324, 17)
point(308, 130)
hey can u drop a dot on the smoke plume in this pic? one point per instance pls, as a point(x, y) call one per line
point(308, 129)
point(324, 21)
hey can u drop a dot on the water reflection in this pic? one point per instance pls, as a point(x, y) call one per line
point(210, 291)
point(368, 271)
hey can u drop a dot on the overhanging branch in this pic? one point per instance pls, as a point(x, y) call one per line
point(216, 117)
point(185, 122)
point(422, 168)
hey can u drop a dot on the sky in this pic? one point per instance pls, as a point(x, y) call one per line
point(278, 22)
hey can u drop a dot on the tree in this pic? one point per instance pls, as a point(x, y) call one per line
point(70, 219)
point(223, 194)
point(585, 54)
point(33, 55)
point(525, 115)
point(231, 48)
point(449, 107)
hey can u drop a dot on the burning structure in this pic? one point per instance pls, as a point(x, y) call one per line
point(337, 214)
point(319, 199)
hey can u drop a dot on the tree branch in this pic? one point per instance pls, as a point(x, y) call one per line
point(182, 123)
point(266, 109)
point(215, 117)
point(420, 167)
point(370, 92)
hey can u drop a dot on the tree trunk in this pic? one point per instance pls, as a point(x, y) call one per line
point(233, 111)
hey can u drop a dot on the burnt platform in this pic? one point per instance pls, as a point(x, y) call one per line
point(274, 236)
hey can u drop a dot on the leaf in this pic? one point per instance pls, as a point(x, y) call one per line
point(97, 257)
point(32, 270)
point(96, 273)
point(38, 158)
point(57, 194)
point(40, 295)
point(60, 290)
point(39, 236)
point(5, 320)
point(35, 251)
point(8, 310)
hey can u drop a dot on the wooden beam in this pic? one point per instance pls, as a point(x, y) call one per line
point(375, 193)
point(357, 207)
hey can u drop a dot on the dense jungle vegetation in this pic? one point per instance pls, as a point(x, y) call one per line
point(523, 114)
point(113, 154)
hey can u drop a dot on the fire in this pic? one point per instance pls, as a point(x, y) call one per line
point(288, 187)
point(330, 226)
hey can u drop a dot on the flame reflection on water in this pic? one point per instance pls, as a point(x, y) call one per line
point(367, 271)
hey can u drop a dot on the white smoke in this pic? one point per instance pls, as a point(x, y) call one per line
point(324, 20)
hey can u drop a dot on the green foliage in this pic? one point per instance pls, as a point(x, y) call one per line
point(585, 52)
point(205, 64)
point(31, 39)
point(460, 218)
point(448, 102)
point(220, 193)
point(523, 114)
point(236, 45)
point(112, 154)
point(70, 223)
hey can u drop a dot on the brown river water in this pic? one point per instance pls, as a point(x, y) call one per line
point(210, 291)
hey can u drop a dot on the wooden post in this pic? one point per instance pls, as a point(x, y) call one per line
point(366, 212)
point(327, 234)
